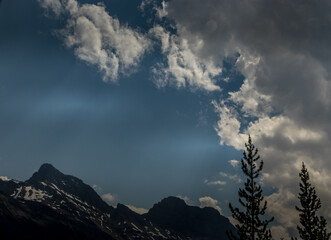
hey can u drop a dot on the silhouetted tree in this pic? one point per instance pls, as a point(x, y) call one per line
point(312, 226)
point(250, 225)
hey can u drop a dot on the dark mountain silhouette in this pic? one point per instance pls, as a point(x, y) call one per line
point(52, 205)
point(202, 223)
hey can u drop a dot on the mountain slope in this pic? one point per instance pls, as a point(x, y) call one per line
point(31, 220)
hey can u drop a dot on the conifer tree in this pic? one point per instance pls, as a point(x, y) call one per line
point(250, 225)
point(312, 227)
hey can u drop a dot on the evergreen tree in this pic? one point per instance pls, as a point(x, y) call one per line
point(312, 226)
point(250, 225)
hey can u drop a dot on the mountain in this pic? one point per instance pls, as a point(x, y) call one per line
point(53, 205)
point(200, 223)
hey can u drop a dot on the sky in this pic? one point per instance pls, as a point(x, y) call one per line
point(143, 99)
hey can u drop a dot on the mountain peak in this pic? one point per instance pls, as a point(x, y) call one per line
point(47, 167)
point(172, 202)
point(46, 172)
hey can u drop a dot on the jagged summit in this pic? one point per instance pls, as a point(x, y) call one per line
point(46, 172)
point(48, 175)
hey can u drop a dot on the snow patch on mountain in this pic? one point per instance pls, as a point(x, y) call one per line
point(30, 193)
point(4, 178)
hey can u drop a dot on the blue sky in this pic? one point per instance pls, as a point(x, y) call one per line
point(147, 99)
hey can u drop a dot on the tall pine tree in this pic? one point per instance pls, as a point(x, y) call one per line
point(312, 226)
point(250, 225)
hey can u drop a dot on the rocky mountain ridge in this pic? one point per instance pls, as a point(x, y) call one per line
point(52, 205)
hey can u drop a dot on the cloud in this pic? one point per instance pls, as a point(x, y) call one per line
point(217, 183)
point(137, 210)
point(54, 6)
point(187, 200)
point(161, 11)
point(280, 205)
point(97, 188)
point(283, 51)
point(279, 232)
point(183, 68)
point(228, 127)
point(98, 38)
point(234, 177)
point(110, 198)
point(234, 163)
point(209, 202)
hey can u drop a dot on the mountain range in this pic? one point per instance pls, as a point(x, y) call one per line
point(53, 205)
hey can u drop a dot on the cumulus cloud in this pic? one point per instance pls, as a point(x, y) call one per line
point(98, 38)
point(228, 127)
point(280, 205)
point(108, 197)
point(209, 202)
point(284, 101)
point(183, 68)
point(137, 209)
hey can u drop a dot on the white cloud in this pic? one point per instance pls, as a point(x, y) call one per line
point(144, 3)
point(234, 163)
point(218, 182)
point(183, 67)
point(209, 202)
point(228, 127)
point(99, 39)
point(234, 177)
point(108, 197)
point(162, 11)
point(137, 209)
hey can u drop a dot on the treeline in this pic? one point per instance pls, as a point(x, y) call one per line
point(253, 225)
